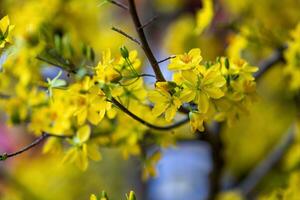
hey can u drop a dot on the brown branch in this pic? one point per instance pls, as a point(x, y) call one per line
point(268, 63)
point(126, 35)
point(120, 5)
point(213, 138)
point(144, 42)
point(37, 141)
point(4, 96)
point(152, 126)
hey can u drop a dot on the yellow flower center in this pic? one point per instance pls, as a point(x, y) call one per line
point(186, 58)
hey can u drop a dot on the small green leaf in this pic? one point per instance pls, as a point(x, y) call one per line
point(131, 196)
point(104, 196)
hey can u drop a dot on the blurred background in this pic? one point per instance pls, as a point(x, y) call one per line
point(255, 29)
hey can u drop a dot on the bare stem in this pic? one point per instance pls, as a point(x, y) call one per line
point(33, 144)
point(126, 35)
point(144, 42)
point(166, 59)
point(119, 4)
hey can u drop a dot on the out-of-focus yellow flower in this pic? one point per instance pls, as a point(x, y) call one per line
point(93, 197)
point(292, 56)
point(197, 121)
point(186, 61)
point(150, 165)
point(204, 16)
point(230, 195)
point(5, 31)
point(81, 149)
point(56, 115)
point(164, 102)
point(237, 43)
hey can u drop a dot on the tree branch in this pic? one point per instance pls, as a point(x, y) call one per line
point(144, 42)
point(119, 4)
point(255, 176)
point(267, 64)
point(148, 22)
point(4, 96)
point(133, 116)
point(126, 35)
point(5, 156)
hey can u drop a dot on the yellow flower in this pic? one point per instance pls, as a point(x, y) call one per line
point(133, 94)
point(197, 121)
point(93, 197)
point(202, 84)
point(90, 101)
point(56, 116)
point(5, 31)
point(186, 61)
point(292, 56)
point(150, 165)
point(81, 150)
point(237, 68)
point(204, 16)
point(105, 71)
point(164, 102)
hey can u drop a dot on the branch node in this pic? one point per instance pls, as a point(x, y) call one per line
point(148, 22)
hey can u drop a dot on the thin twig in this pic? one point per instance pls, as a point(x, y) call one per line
point(135, 117)
point(33, 144)
point(147, 75)
point(119, 4)
point(126, 35)
point(144, 42)
point(255, 176)
point(148, 22)
point(72, 71)
point(166, 59)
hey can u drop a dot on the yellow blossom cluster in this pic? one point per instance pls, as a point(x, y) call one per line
point(292, 56)
point(217, 90)
point(107, 103)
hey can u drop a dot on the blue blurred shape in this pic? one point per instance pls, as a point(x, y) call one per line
point(182, 173)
